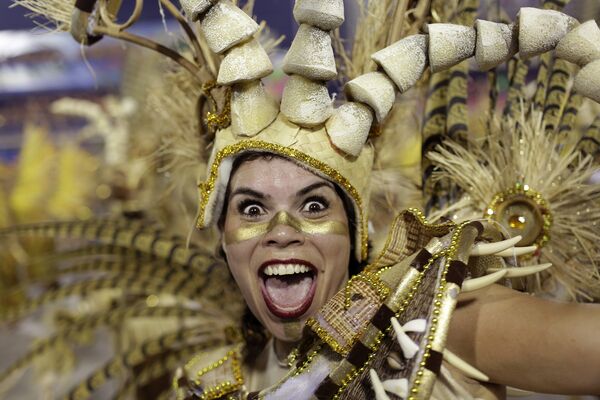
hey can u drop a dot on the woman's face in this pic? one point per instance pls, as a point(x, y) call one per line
point(287, 242)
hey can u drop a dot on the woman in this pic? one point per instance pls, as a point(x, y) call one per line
point(286, 240)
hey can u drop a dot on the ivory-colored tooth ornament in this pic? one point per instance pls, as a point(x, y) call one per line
point(469, 370)
point(311, 55)
point(245, 62)
point(486, 249)
point(404, 61)
point(587, 81)
point(195, 8)
point(581, 46)
point(541, 30)
point(324, 14)
point(377, 386)
point(252, 109)
point(409, 348)
point(517, 251)
point(449, 44)
point(374, 89)
point(393, 362)
point(306, 102)
point(518, 272)
point(479, 283)
point(349, 126)
point(225, 25)
point(495, 43)
point(399, 387)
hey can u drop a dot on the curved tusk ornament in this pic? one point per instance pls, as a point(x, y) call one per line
point(517, 251)
point(486, 249)
point(409, 348)
point(479, 283)
point(377, 386)
point(518, 272)
point(399, 387)
point(464, 366)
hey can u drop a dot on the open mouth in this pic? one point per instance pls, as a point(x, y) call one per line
point(288, 287)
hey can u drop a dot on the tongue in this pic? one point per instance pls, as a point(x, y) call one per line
point(288, 291)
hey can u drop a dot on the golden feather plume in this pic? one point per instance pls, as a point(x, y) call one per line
point(519, 175)
point(56, 13)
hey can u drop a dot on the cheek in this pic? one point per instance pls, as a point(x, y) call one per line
point(336, 251)
point(238, 259)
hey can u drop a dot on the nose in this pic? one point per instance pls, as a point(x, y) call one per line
point(283, 235)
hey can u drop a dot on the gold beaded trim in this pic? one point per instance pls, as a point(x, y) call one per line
point(449, 254)
point(355, 372)
point(207, 187)
point(309, 359)
point(405, 302)
point(217, 120)
point(536, 197)
point(227, 386)
point(326, 337)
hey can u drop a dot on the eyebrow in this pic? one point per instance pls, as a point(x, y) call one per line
point(312, 187)
point(249, 192)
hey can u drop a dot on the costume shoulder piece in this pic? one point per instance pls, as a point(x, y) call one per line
point(214, 374)
point(387, 329)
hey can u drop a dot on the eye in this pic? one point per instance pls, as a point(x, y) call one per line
point(315, 205)
point(251, 209)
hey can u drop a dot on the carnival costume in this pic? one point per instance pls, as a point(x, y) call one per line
point(384, 334)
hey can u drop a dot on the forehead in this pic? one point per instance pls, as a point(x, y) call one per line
point(272, 174)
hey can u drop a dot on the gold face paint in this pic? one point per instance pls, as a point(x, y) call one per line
point(283, 218)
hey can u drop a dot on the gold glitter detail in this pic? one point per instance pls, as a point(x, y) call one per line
point(208, 186)
point(217, 120)
point(524, 190)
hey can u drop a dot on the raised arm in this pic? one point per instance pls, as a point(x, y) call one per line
point(527, 342)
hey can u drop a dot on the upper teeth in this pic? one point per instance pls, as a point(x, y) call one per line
point(286, 269)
